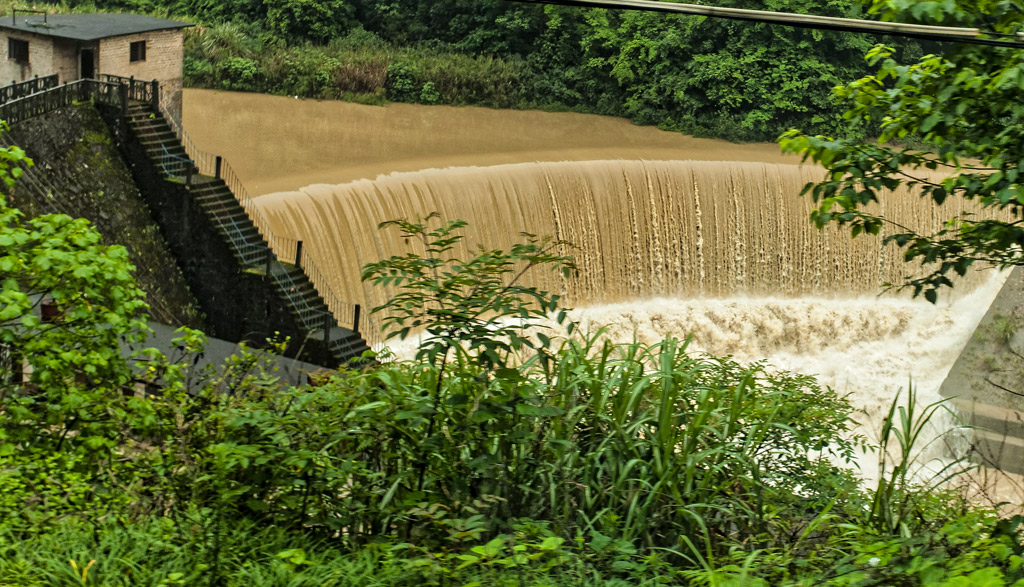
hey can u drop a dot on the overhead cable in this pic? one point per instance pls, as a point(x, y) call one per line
point(917, 31)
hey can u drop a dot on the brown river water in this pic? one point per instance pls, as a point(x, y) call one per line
point(673, 235)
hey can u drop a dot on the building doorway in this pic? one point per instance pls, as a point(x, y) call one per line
point(88, 65)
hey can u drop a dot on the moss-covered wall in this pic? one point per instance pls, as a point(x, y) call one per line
point(79, 171)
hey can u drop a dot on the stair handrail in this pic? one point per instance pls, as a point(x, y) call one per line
point(205, 162)
point(318, 277)
point(177, 161)
point(284, 247)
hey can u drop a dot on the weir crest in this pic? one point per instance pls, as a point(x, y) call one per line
point(638, 229)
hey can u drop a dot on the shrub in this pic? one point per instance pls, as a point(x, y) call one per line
point(238, 73)
point(429, 94)
point(399, 83)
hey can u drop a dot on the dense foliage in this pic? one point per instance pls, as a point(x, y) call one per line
point(510, 459)
point(962, 113)
point(741, 81)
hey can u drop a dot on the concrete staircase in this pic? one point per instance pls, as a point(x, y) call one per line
point(250, 248)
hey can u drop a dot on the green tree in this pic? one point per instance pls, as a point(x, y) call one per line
point(961, 113)
point(63, 422)
point(736, 80)
point(477, 310)
point(479, 306)
point(315, 20)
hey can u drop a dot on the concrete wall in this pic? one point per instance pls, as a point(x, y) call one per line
point(986, 383)
point(164, 50)
point(40, 58)
point(65, 60)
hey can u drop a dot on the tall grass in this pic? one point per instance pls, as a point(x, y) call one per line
point(604, 462)
point(648, 443)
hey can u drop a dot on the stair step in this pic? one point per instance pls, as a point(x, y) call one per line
point(240, 238)
point(337, 333)
point(150, 124)
point(214, 198)
point(163, 133)
point(227, 212)
point(220, 203)
point(211, 189)
point(156, 151)
point(172, 146)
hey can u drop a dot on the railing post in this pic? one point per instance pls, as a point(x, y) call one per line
point(188, 174)
point(355, 318)
point(298, 254)
point(123, 89)
point(156, 95)
point(270, 259)
point(216, 166)
point(328, 325)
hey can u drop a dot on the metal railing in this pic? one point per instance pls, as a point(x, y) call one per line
point(368, 328)
point(175, 166)
point(205, 162)
point(312, 317)
point(250, 253)
point(138, 90)
point(49, 100)
point(27, 88)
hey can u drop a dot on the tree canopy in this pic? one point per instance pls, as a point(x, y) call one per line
point(958, 112)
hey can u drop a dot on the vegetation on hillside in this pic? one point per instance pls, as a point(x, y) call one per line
point(739, 81)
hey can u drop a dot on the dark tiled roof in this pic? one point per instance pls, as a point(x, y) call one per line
point(88, 27)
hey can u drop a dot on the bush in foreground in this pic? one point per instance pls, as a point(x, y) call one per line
point(512, 458)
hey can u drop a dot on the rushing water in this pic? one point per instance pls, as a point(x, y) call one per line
point(638, 229)
point(673, 235)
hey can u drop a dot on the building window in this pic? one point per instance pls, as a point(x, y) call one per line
point(137, 51)
point(17, 50)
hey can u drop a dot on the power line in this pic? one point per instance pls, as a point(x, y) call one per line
point(917, 31)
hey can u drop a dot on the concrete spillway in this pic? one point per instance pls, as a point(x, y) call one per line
point(638, 229)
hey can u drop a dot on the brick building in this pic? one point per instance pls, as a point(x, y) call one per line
point(82, 46)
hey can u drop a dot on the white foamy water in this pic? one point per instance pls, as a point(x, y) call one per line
point(869, 348)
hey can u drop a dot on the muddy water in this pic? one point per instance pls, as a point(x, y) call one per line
point(674, 235)
point(279, 144)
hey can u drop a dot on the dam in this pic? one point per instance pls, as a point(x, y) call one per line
point(673, 235)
